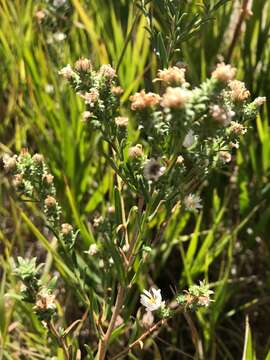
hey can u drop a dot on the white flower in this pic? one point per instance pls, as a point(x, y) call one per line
point(192, 202)
point(67, 72)
point(152, 299)
point(59, 36)
point(93, 249)
point(153, 170)
point(259, 101)
point(58, 3)
point(189, 139)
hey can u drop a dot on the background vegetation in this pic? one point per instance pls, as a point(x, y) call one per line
point(228, 244)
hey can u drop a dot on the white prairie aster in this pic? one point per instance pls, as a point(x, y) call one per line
point(189, 139)
point(192, 202)
point(152, 299)
point(152, 169)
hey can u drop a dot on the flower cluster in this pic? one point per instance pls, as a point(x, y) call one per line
point(33, 291)
point(200, 126)
point(32, 179)
point(196, 296)
point(101, 95)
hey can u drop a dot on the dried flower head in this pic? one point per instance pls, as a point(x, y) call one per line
point(172, 75)
point(225, 156)
point(17, 180)
point(83, 65)
point(221, 115)
point(147, 319)
point(91, 97)
point(135, 151)
point(142, 100)
point(40, 15)
point(238, 91)
point(152, 170)
point(189, 139)
point(237, 128)
point(107, 71)
point(67, 72)
point(117, 90)
point(50, 201)
point(38, 158)
point(86, 115)
point(152, 299)
point(175, 98)
point(259, 101)
point(121, 121)
point(66, 229)
point(192, 202)
point(45, 301)
point(10, 162)
point(48, 178)
point(224, 73)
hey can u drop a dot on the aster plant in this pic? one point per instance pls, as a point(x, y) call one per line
point(182, 135)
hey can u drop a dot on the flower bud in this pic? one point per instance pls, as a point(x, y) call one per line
point(224, 73)
point(50, 201)
point(135, 151)
point(83, 65)
point(121, 121)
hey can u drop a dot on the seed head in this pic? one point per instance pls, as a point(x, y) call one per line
point(48, 178)
point(66, 229)
point(83, 65)
point(224, 73)
point(259, 101)
point(135, 151)
point(238, 92)
point(117, 90)
point(152, 170)
point(175, 98)
point(237, 128)
point(221, 115)
point(172, 75)
point(142, 100)
point(50, 201)
point(107, 71)
point(38, 158)
point(225, 156)
point(121, 121)
point(10, 162)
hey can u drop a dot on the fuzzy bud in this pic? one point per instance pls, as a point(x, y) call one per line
point(66, 229)
point(224, 73)
point(172, 75)
point(67, 72)
point(175, 98)
point(38, 158)
point(10, 162)
point(225, 156)
point(50, 201)
point(259, 101)
point(117, 90)
point(83, 65)
point(107, 71)
point(135, 151)
point(142, 100)
point(238, 92)
point(121, 121)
